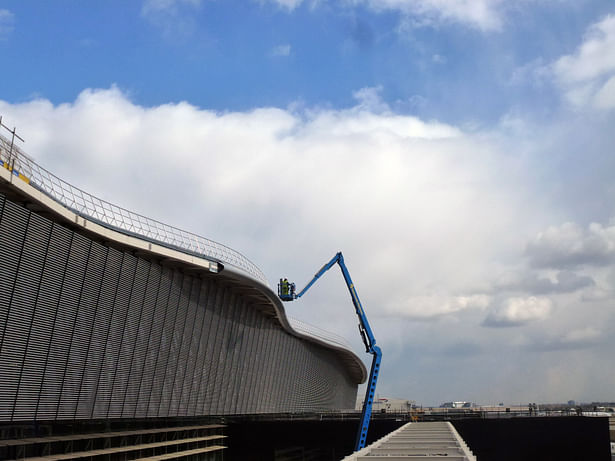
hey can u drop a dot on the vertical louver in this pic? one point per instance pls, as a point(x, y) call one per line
point(91, 332)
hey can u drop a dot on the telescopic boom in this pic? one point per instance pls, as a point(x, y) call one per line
point(286, 292)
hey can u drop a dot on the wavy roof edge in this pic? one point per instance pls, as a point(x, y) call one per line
point(26, 177)
point(109, 215)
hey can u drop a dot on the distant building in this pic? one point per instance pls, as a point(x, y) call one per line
point(460, 404)
point(388, 405)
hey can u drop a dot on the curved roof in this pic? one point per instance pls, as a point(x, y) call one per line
point(105, 221)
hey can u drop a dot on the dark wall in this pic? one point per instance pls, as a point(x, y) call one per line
point(559, 439)
point(91, 332)
point(518, 439)
point(300, 440)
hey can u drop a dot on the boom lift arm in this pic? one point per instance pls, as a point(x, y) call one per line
point(286, 292)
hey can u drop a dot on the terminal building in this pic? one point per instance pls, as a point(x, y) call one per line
point(114, 323)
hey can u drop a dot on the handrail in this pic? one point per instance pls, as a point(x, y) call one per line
point(118, 218)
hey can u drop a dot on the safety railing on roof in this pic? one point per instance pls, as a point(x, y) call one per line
point(115, 217)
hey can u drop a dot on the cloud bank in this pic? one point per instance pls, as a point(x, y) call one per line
point(430, 217)
point(519, 311)
point(569, 245)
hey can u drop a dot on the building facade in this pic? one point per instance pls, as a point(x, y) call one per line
point(103, 322)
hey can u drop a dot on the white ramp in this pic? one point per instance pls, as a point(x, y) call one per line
point(424, 441)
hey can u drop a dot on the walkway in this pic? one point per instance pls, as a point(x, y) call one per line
point(424, 441)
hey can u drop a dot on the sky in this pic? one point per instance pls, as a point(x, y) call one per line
point(459, 153)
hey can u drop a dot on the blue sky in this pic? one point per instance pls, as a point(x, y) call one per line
point(459, 153)
point(238, 55)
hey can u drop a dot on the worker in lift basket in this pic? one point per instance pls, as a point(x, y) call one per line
point(285, 287)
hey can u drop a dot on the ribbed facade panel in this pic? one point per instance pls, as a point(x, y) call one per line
point(22, 308)
point(138, 366)
point(91, 332)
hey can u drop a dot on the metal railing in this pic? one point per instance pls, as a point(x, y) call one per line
point(118, 218)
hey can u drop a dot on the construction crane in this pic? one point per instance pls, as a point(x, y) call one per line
point(286, 292)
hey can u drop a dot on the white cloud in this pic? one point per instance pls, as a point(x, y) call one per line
point(434, 306)
point(372, 116)
point(597, 293)
point(594, 57)
point(582, 335)
point(170, 16)
point(370, 100)
point(605, 96)
point(438, 59)
point(519, 311)
point(7, 21)
point(289, 5)
point(281, 50)
point(570, 245)
point(579, 338)
point(330, 179)
point(425, 212)
point(527, 281)
point(154, 6)
point(535, 73)
point(484, 15)
point(587, 76)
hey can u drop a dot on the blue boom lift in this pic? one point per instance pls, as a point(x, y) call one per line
point(286, 292)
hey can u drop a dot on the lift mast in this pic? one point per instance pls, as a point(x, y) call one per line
point(286, 292)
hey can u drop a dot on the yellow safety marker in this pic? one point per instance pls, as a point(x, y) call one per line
point(16, 173)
